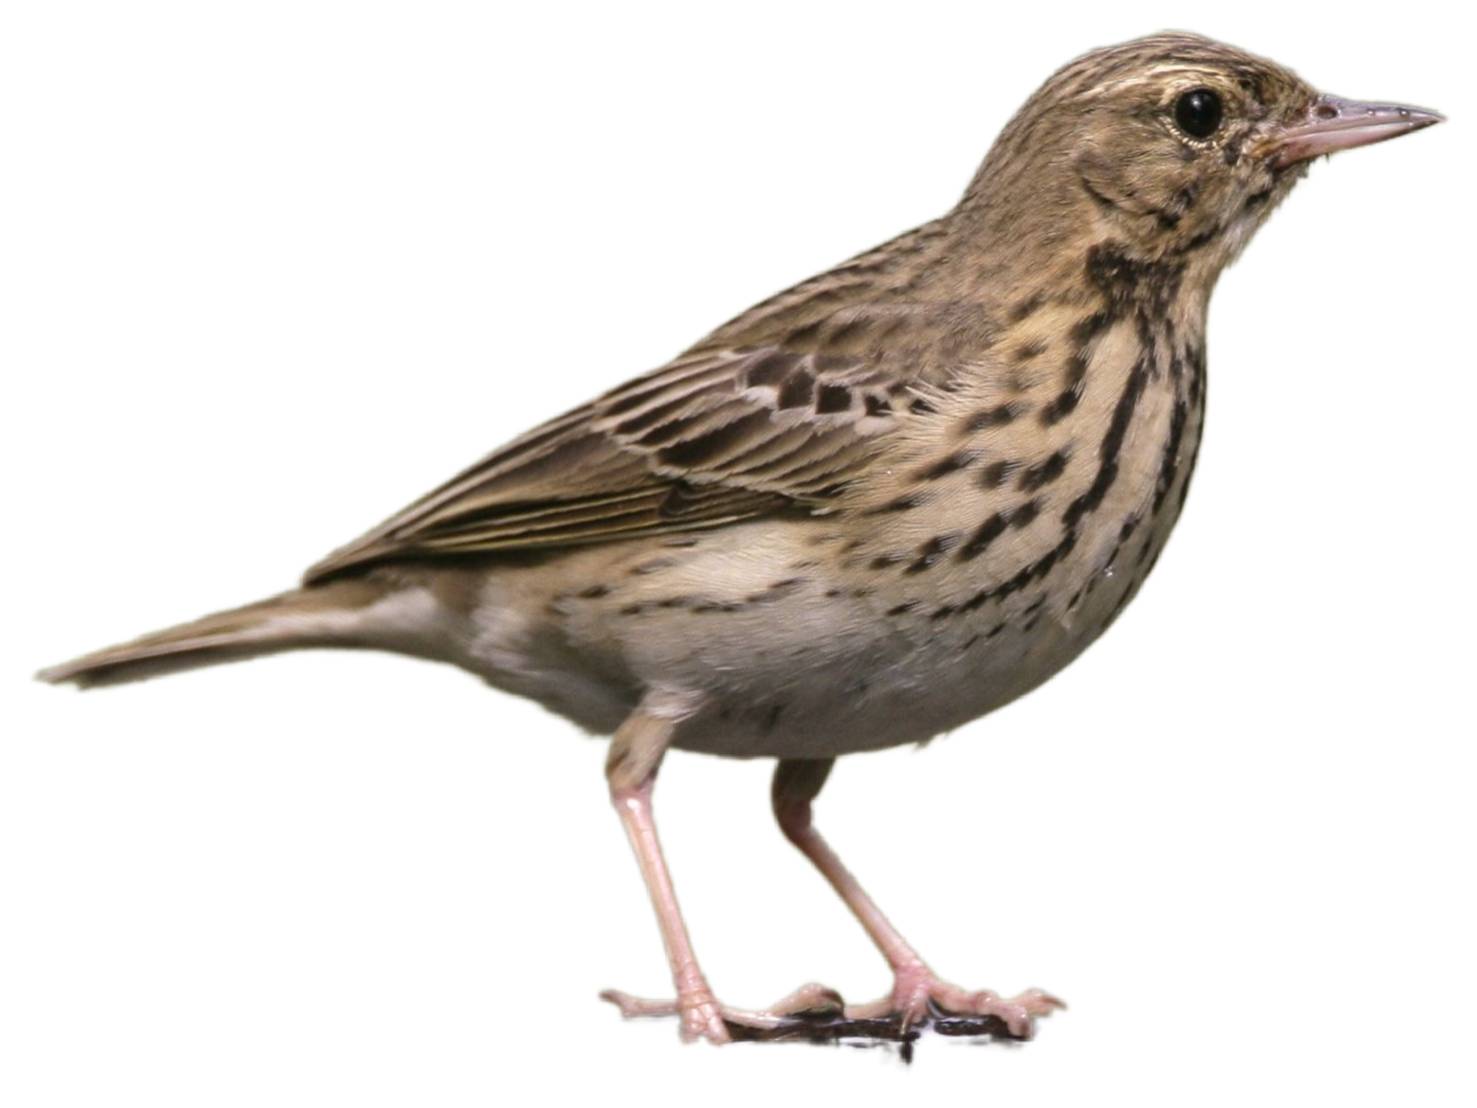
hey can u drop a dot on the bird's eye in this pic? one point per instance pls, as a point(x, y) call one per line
point(1198, 113)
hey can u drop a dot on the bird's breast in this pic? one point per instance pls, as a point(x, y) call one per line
point(1026, 519)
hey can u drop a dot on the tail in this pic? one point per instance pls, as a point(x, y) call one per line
point(319, 615)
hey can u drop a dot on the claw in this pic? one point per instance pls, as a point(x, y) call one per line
point(1039, 1002)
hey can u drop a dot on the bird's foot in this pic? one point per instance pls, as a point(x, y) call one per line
point(920, 998)
point(704, 1018)
point(816, 1013)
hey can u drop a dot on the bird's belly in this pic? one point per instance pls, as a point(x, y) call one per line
point(806, 674)
point(889, 690)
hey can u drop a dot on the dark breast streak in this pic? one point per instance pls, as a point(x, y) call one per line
point(1142, 535)
point(1166, 360)
point(1065, 571)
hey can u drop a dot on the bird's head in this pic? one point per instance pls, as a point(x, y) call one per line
point(1170, 146)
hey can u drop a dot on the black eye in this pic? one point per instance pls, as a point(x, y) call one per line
point(1198, 113)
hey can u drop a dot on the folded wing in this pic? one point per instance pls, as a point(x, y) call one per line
point(718, 436)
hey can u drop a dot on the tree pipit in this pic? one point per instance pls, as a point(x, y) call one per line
point(868, 510)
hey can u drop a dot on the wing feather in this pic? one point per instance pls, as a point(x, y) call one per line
point(779, 411)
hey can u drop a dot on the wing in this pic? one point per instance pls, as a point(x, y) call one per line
point(778, 411)
point(708, 440)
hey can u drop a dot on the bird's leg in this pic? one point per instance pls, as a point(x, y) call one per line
point(918, 994)
point(635, 755)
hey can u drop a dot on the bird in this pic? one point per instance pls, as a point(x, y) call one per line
point(867, 511)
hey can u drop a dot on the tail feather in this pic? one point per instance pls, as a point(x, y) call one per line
point(321, 615)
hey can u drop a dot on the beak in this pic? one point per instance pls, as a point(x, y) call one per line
point(1333, 123)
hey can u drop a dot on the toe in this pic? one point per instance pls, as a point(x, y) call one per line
point(1016, 1018)
point(704, 1020)
point(1020, 1012)
point(633, 1007)
point(810, 1001)
point(1039, 1002)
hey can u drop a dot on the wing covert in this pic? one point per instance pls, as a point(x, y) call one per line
point(715, 437)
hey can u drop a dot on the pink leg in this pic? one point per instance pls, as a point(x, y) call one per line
point(916, 987)
point(635, 755)
point(695, 1003)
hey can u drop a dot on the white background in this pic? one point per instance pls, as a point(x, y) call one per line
point(271, 270)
